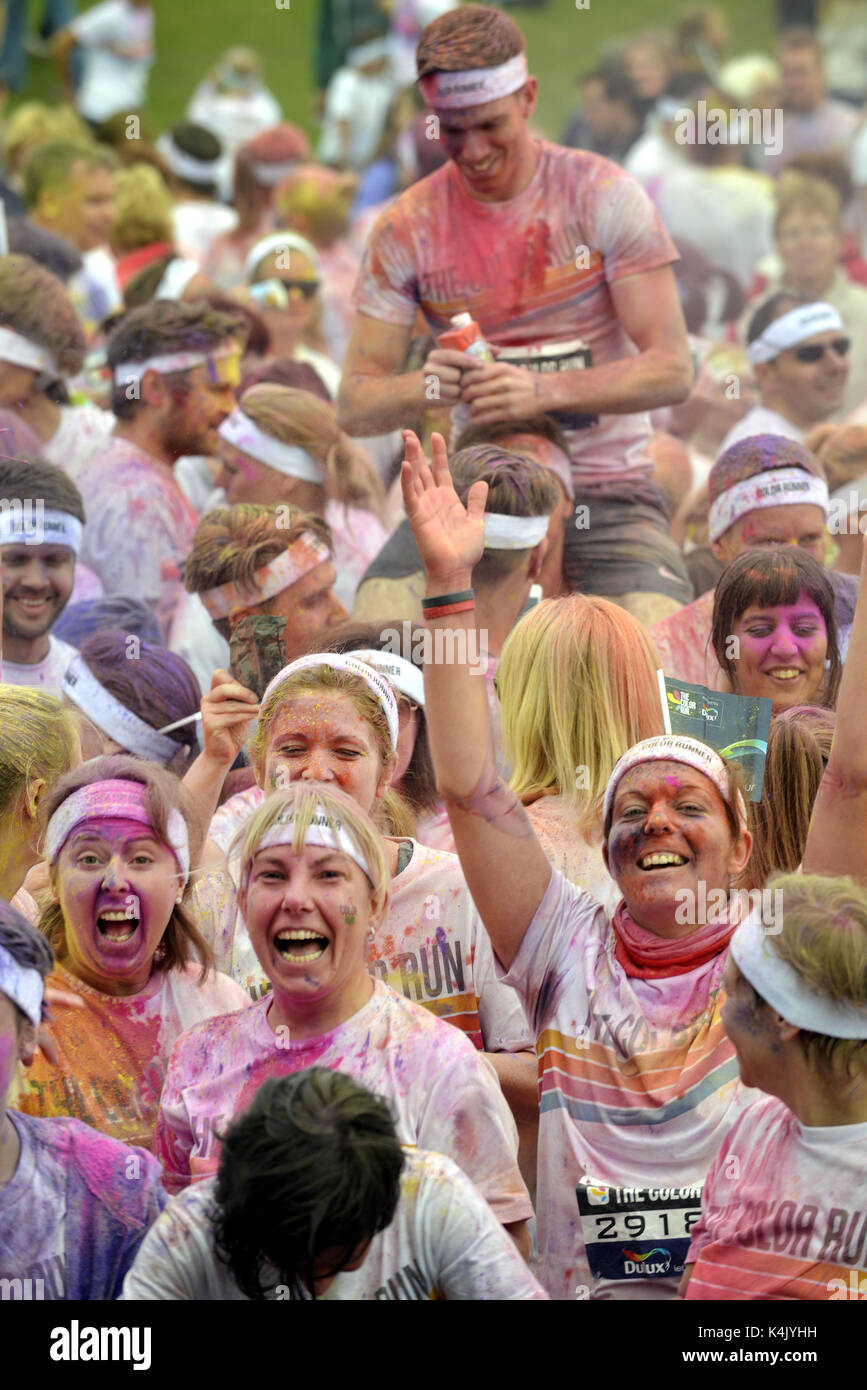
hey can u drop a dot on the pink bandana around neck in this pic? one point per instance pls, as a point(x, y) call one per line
point(646, 956)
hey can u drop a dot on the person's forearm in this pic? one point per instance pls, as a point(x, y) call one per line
point(204, 782)
point(849, 748)
point(646, 382)
point(519, 1081)
point(456, 703)
point(370, 404)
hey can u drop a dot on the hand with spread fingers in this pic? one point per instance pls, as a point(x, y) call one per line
point(449, 535)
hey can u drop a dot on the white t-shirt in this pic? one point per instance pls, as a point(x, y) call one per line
point(82, 430)
point(638, 1086)
point(363, 101)
point(46, 674)
point(431, 947)
point(443, 1095)
point(784, 1211)
point(196, 223)
point(443, 1243)
point(761, 420)
point(109, 82)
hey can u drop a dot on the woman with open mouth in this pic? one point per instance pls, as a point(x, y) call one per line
point(315, 883)
point(638, 1082)
point(330, 717)
point(120, 835)
point(773, 629)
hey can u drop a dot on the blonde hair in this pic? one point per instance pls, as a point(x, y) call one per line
point(824, 938)
point(33, 123)
point(391, 814)
point(300, 418)
point(799, 745)
point(577, 684)
point(305, 799)
point(142, 209)
point(40, 741)
point(800, 193)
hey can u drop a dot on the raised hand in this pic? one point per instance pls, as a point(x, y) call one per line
point(228, 709)
point(449, 535)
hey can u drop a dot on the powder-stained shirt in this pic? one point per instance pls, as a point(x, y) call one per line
point(82, 430)
point(113, 1052)
point(638, 1086)
point(534, 270)
point(47, 674)
point(74, 1213)
point(559, 833)
point(784, 1211)
point(444, 1243)
point(140, 526)
point(431, 946)
point(444, 1096)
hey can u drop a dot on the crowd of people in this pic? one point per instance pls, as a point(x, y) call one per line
point(328, 969)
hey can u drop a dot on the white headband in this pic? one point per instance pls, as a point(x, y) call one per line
point(166, 363)
point(289, 459)
point(786, 991)
point(279, 241)
point(113, 718)
point(177, 275)
point(21, 352)
point(671, 748)
point(272, 174)
point(454, 90)
point(114, 799)
point(792, 328)
point(399, 672)
point(279, 574)
point(340, 662)
point(23, 985)
point(779, 487)
point(514, 532)
point(49, 528)
point(328, 832)
point(369, 52)
point(185, 165)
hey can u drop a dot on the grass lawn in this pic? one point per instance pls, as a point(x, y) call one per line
point(562, 42)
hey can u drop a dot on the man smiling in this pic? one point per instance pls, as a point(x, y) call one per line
point(561, 259)
point(41, 525)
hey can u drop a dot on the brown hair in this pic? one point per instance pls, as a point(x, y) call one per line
point(824, 938)
point(769, 578)
point(232, 543)
point(472, 36)
point(300, 418)
point(516, 487)
point(165, 326)
point(760, 453)
point(34, 303)
point(799, 744)
point(182, 943)
point(810, 195)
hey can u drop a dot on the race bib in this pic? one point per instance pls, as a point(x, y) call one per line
point(570, 356)
point(637, 1232)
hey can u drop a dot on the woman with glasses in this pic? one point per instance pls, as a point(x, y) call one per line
point(283, 279)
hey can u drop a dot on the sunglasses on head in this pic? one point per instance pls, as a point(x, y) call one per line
point(814, 352)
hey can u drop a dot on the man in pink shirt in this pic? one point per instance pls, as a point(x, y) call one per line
point(175, 369)
point(562, 261)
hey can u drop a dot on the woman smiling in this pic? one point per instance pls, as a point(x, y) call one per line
point(118, 836)
point(315, 885)
point(773, 629)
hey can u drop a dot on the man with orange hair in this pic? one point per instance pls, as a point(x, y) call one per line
point(561, 259)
